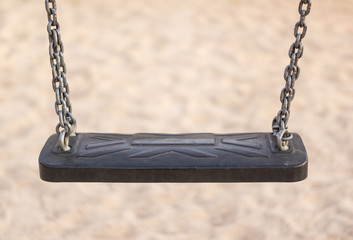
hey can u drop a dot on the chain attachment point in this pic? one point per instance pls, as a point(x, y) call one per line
point(64, 141)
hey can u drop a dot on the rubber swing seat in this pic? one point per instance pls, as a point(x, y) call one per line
point(203, 157)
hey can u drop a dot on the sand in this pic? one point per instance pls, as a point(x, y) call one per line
point(177, 66)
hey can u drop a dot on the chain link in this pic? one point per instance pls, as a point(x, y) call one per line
point(67, 123)
point(291, 74)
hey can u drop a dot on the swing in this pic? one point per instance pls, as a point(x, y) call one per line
point(68, 156)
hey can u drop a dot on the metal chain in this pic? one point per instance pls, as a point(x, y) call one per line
point(291, 74)
point(67, 123)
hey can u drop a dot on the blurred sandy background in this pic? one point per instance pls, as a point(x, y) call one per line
point(177, 66)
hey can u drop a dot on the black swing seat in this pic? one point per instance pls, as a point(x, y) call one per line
point(204, 157)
